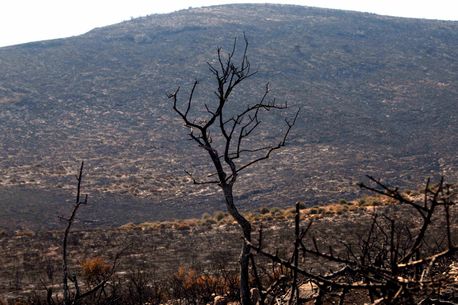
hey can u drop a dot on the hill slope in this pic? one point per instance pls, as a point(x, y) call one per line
point(378, 96)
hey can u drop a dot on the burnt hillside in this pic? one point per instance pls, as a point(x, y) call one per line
point(378, 96)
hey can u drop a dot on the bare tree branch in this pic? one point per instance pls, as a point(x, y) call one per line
point(70, 220)
point(231, 132)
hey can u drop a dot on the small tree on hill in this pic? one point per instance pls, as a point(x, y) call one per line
point(223, 134)
point(96, 271)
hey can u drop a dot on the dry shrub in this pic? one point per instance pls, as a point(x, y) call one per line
point(289, 213)
point(219, 216)
point(129, 226)
point(142, 288)
point(184, 225)
point(206, 216)
point(264, 210)
point(190, 279)
point(191, 287)
point(95, 269)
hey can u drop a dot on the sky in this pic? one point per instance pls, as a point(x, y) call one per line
point(32, 20)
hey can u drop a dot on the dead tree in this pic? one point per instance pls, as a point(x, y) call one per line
point(70, 220)
point(77, 296)
point(396, 261)
point(223, 135)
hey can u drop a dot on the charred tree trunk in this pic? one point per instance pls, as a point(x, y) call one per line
point(245, 226)
point(70, 220)
point(232, 130)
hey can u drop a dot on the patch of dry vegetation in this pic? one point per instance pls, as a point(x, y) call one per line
point(192, 256)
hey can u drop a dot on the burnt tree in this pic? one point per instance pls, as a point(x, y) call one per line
point(77, 296)
point(70, 220)
point(223, 134)
point(405, 256)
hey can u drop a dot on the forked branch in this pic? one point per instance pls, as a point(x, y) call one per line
point(390, 270)
point(229, 132)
